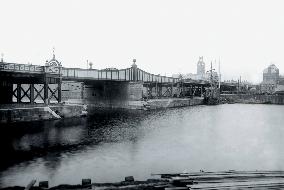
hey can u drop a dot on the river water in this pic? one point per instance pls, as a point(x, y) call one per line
point(109, 145)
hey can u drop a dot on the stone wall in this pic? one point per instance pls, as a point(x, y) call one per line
point(111, 94)
point(135, 90)
point(6, 90)
point(174, 102)
point(72, 90)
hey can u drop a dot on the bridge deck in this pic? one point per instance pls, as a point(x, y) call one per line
point(129, 74)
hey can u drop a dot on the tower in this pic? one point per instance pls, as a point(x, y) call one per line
point(200, 68)
point(53, 61)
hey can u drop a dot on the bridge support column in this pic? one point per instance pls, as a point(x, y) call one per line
point(18, 93)
point(45, 93)
point(172, 90)
point(6, 89)
point(32, 94)
point(156, 90)
point(160, 90)
point(149, 91)
point(59, 91)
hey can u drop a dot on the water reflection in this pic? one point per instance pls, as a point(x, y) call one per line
point(110, 145)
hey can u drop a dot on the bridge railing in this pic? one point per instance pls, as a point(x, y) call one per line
point(129, 74)
point(94, 74)
point(148, 77)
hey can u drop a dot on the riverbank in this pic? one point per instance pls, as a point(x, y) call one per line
point(252, 99)
point(195, 180)
point(28, 112)
point(163, 103)
point(25, 113)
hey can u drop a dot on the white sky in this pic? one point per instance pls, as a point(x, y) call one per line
point(164, 36)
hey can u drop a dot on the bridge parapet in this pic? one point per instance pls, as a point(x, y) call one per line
point(28, 68)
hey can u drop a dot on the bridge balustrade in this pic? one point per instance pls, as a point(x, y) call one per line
point(123, 74)
point(148, 77)
point(28, 68)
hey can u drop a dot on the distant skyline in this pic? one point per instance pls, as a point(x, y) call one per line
point(164, 36)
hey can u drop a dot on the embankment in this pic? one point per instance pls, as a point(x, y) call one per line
point(165, 103)
point(174, 102)
point(40, 112)
point(252, 99)
point(20, 114)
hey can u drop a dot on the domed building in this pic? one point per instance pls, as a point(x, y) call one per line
point(271, 74)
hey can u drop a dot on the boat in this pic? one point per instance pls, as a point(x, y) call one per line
point(212, 93)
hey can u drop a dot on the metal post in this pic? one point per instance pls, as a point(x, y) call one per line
point(156, 89)
point(172, 87)
point(32, 94)
point(45, 92)
point(238, 86)
point(18, 93)
point(59, 91)
point(182, 89)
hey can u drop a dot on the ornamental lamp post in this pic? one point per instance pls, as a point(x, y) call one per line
point(134, 70)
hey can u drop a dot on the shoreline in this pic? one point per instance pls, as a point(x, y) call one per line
point(40, 112)
point(171, 181)
point(28, 113)
point(252, 99)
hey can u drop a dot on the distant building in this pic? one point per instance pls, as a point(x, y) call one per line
point(271, 74)
point(280, 86)
point(270, 79)
point(200, 74)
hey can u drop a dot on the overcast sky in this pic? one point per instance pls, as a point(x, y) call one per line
point(165, 37)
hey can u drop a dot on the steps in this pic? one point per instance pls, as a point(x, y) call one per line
point(48, 109)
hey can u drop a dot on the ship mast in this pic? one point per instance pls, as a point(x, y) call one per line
point(211, 75)
point(219, 74)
